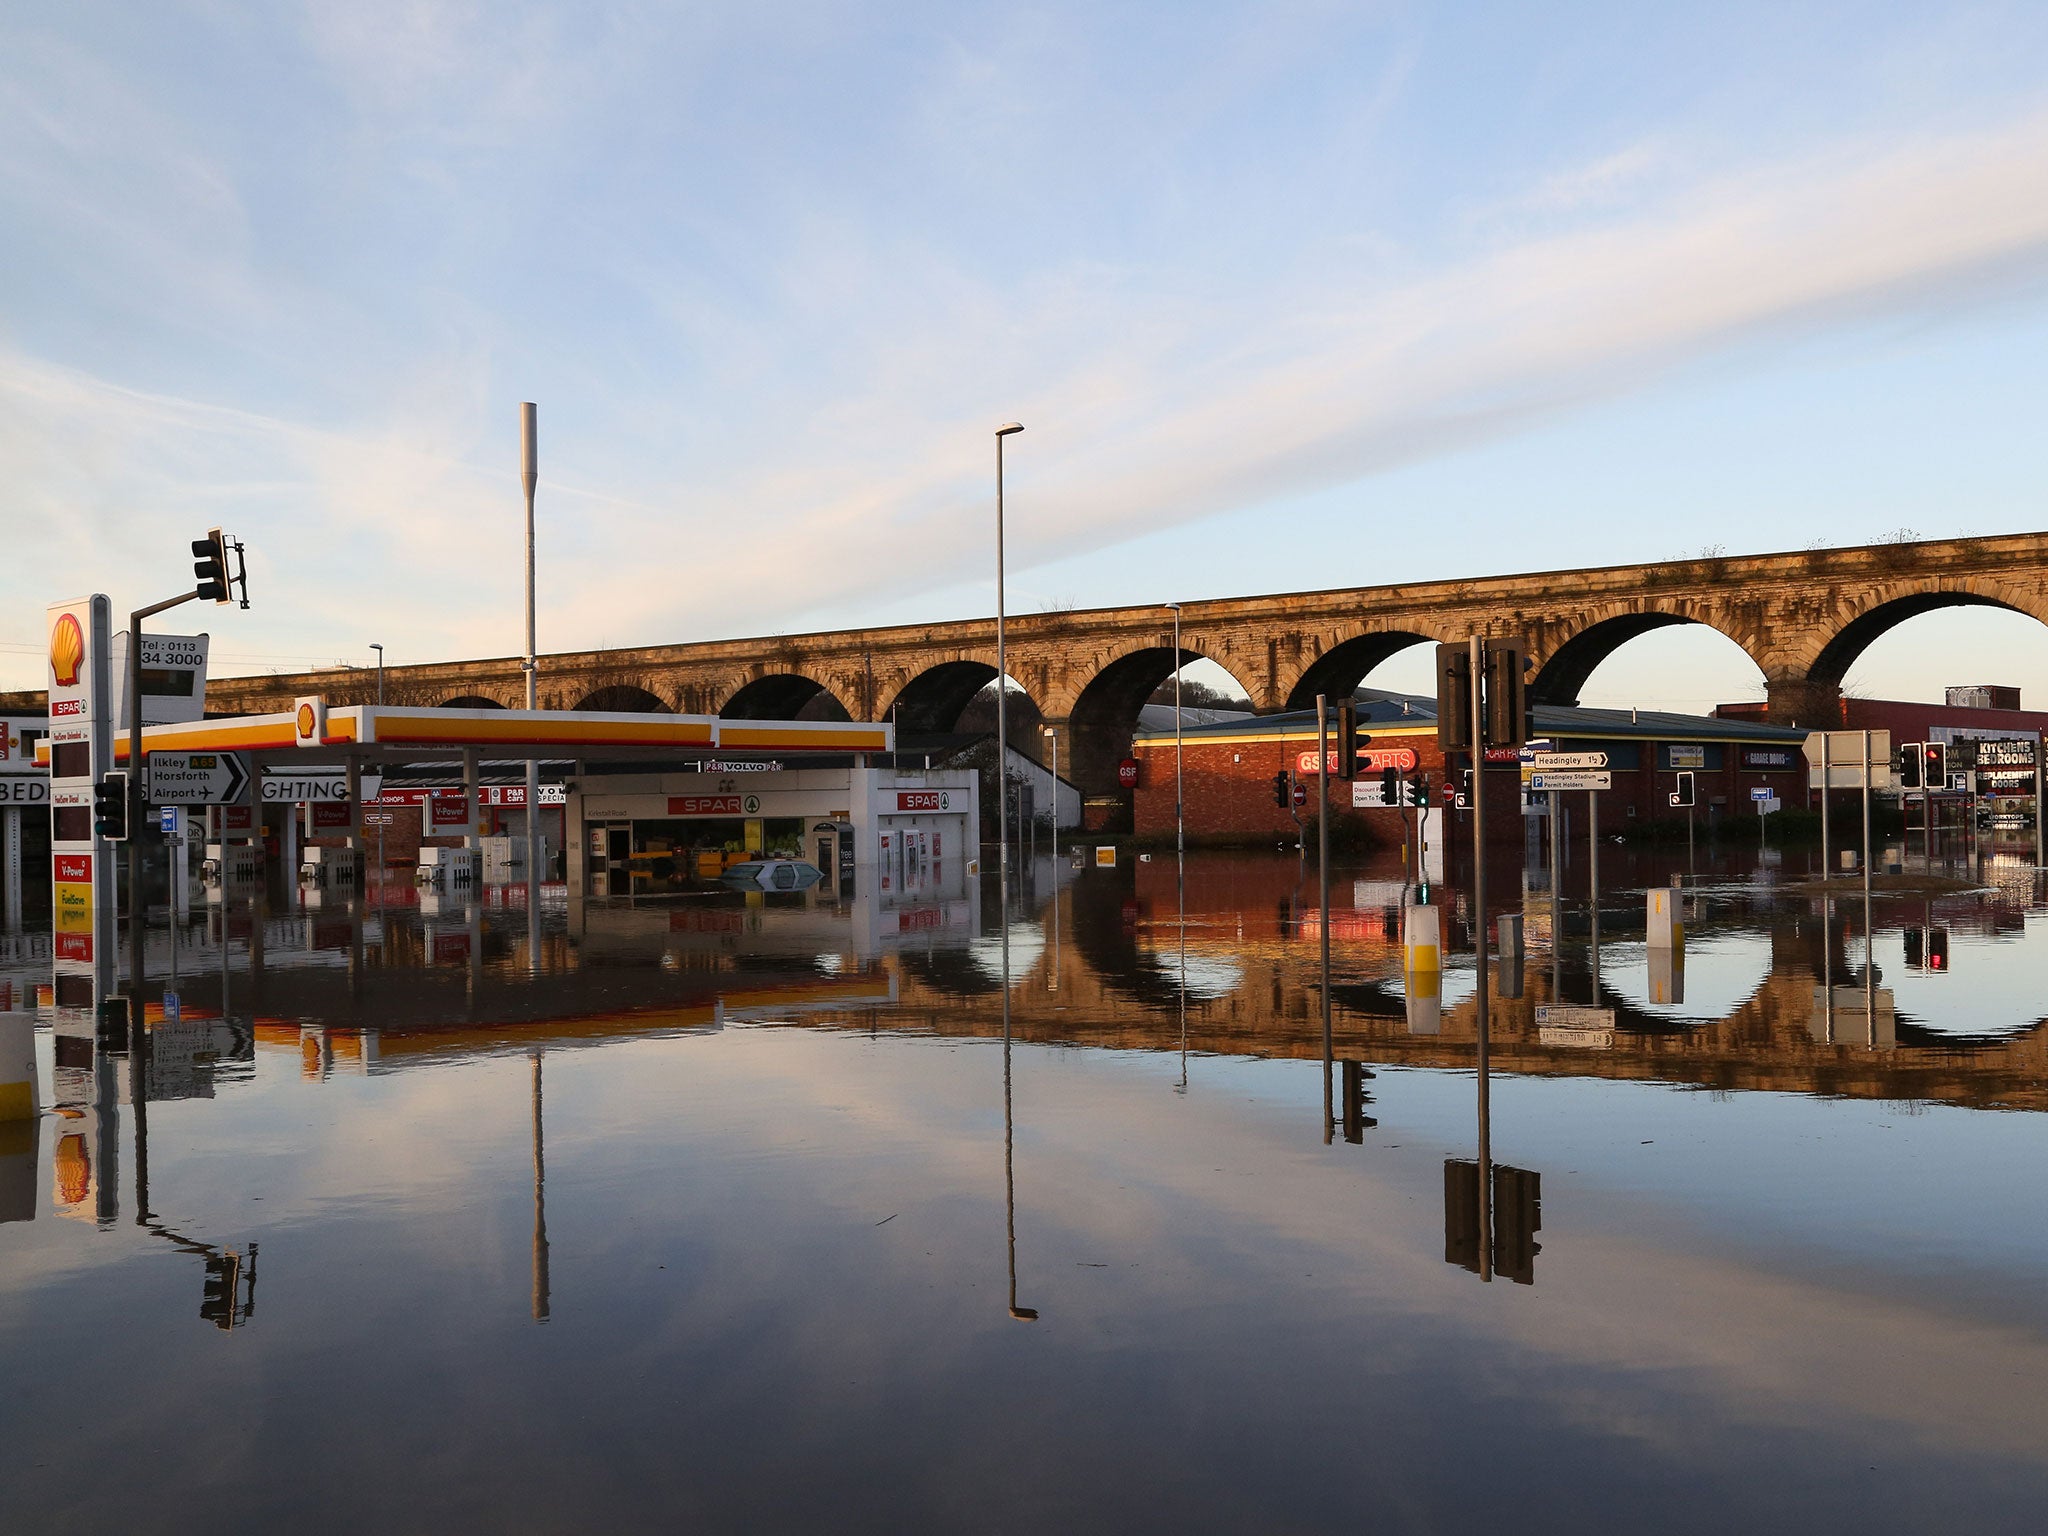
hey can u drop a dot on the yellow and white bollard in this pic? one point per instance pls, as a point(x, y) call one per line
point(1422, 969)
point(1666, 919)
point(1421, 942)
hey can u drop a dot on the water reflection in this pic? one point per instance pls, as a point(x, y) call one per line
point(741, 1157)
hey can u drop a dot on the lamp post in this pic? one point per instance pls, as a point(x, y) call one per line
point(1023, 1314)
point(529, 476)
point(380, 670)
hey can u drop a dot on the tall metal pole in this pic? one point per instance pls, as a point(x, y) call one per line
point(529, 476)
point(1477, 663)
point(1024, 1314)
point(541, 1307)
point(1323, 882)
point(1556, 896)
point(1869, 949)
point(2038, 745)
point(1593, 888)
point(380, 670)
point(1054, 984)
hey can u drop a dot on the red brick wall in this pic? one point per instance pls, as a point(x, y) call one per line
point(1229, 793)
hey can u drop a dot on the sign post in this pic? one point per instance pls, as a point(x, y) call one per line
point(196, 778)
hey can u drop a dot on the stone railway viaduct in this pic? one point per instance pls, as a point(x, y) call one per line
point(1802, 617)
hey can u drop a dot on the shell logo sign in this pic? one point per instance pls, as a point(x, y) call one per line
point(309, 719)
point(67, 650)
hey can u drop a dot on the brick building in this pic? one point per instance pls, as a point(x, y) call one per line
point(1229, 767)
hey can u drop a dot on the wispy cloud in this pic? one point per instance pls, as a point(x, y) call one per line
point(767, 391)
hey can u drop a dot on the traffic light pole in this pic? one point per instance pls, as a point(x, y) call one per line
point(1323, 882)
point(136, 804)
point(1482, 1064)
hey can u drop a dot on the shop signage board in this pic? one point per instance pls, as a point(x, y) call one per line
point(1589, 778)
point(1370, 760)
point(81, 750)
point(515, 795)
point(1687, 757)
point(1127, 773)
point(714, 805)
point(195, 778)
point(910, 800)
point(1560, 762)
point(2005, 754)
point(1771, 759)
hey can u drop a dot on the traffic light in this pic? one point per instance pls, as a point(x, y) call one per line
point(1349, 740)
point(1916, 948)
point(1934, 765)
point(1356, 1121)
point(110, 808)
point(1507, 694)
point(1682, 796)
point(1418, 790)
point(1453, 698)
point(1937, 949)
point(1909, 764)
point(1280, 796)
point(210, 565)
point(1390, 786)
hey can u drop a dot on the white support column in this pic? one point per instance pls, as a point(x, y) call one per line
point(469, 794)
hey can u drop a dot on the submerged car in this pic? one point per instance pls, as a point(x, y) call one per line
point(772, 875)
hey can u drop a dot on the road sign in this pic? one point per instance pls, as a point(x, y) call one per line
point(308, 788)
point(1561, 762)
point(1844, 751)
point(1588, 778)
point(196, 778)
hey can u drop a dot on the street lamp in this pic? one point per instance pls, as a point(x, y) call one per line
point(380, 670)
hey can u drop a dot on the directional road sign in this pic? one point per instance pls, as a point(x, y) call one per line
point(1562, 762)
point(196, 778)
point(1588, 778)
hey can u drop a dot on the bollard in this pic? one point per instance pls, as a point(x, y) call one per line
point(1508, 947)
point(1667, 975)
point(1421, 945)
point(1507, 936)
point(17, 1066)
point(1425, 1004)
point(1666, 927)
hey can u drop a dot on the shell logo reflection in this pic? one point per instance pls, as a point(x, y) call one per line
point(74, 1169)
point(67, 650)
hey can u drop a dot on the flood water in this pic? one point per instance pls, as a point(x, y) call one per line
point(738, 1214)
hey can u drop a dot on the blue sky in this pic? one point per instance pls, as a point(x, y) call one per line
point(1287, 296)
